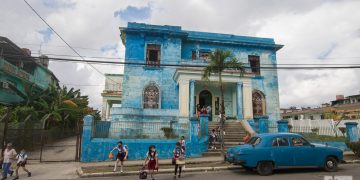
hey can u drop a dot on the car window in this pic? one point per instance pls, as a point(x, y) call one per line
point(254, 141)
point(299, 141)
point(280, 142)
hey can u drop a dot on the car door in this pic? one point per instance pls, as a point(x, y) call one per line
point(281, 152)
point(304, 153)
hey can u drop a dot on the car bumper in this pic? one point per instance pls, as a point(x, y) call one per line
point(232, 159)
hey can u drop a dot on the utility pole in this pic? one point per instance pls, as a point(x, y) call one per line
point(5, 119)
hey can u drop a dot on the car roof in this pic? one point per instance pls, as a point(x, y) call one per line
point(270, 135)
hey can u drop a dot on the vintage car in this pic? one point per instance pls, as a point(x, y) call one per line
point(269, 151)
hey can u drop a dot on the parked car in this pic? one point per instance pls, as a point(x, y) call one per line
point(269, 151)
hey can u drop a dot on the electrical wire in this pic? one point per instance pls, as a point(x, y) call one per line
point(52, 29)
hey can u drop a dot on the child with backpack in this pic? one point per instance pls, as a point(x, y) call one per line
point(122, 154)
point(179, 158)
point(212, 139)
point(21, 162)
point(152, 161)
point(182, 143)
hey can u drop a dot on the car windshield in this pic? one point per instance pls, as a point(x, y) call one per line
point(254, 141)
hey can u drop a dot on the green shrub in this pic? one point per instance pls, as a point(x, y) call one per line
point(168, 132)
point(355, 147)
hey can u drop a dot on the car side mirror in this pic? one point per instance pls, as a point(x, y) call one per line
point(311, 145)
point(253, 145)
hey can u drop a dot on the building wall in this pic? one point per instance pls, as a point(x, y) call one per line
point(177, 49)
point(136, 78)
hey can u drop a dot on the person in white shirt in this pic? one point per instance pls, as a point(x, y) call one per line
point(8, 156)
point(21, 162)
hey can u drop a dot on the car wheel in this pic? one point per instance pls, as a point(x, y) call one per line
point(331, 164)
point(265, 168)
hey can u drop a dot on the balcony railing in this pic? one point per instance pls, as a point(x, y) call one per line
point(12, 69)
point(18, 72)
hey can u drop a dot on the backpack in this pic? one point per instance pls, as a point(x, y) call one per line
point(142, 173)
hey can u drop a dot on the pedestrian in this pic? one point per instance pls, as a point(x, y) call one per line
point(8, 156)
point(198, 109)
point(122, 154)
point(152, 161)
point(208, 110)
point(182, 143)
point(203, 110)
point(179, 158)
point(212, 139)
point(21, 162)
point(247, 137)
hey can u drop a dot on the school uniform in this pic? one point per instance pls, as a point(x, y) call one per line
point(152, 156)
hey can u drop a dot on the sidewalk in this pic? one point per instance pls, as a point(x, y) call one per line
point(68, 170)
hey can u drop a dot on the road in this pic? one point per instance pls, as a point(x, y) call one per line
point(293, 174)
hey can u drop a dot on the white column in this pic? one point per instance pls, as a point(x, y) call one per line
point(184, 98)
point(247, 100)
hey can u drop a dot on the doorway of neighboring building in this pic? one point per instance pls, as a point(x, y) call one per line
point(205, 99)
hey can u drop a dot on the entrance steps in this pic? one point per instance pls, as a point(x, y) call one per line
point(234, 133)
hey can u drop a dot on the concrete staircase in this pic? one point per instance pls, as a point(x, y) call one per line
point(234, 133)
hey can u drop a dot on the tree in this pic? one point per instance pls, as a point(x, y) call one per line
point(221, 60)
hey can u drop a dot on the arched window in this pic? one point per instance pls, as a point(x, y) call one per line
point(151, 96)
point(258, 102)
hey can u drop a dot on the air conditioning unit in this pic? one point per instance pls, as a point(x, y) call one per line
point(4, 85)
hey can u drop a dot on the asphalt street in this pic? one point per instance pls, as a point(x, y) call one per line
point(292, 174)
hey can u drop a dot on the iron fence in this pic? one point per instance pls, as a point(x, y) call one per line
point(326, 131)
point(125, 129)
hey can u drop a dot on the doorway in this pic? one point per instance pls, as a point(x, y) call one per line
point(205, 99)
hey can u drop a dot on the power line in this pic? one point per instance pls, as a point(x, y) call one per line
point(63, 39)
point(183, 65)
point(120, 62)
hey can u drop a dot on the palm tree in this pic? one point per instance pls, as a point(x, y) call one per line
point(221, 60)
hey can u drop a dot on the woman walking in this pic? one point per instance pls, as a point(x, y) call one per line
point(179, 159)
point(8, 156)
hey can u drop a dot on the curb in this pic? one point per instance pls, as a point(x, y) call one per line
point(352, 162)
point(161, 171)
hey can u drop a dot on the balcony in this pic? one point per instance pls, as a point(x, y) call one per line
point(15, 71)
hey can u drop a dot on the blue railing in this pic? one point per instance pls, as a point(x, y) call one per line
point(141, 129)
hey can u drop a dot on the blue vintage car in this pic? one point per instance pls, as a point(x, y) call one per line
point(266, 152)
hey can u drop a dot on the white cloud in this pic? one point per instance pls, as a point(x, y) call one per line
point(308, 29)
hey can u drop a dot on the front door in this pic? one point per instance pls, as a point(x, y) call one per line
point(205, 100)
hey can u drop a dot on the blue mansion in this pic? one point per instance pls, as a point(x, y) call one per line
point(162, 86)
point(169, 84)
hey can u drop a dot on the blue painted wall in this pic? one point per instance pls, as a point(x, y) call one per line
point(97, 149)
point(177, 46)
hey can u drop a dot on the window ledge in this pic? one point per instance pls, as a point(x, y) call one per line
point(152, 68)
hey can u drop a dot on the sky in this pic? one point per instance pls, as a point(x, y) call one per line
point(316, 32)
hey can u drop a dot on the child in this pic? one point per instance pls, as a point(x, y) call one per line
point(212, 139)
point(179, 159)
point(21, 162)
point(182, 143)
point(121, 155)
point(152, 161)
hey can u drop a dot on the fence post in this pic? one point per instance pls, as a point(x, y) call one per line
point(283, 126)
point(263, 124)
point(86, 136)
point(204, 125)
point(352, 131)
point(194, 132)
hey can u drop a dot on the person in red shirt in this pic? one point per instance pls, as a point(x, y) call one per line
point(247, 137)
